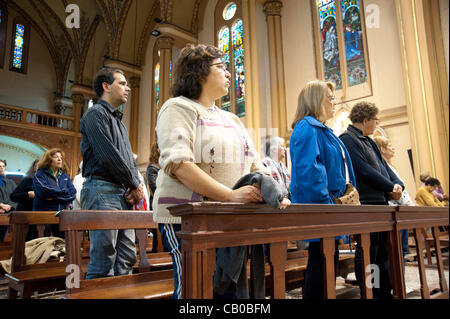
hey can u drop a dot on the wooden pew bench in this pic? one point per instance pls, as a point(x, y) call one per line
point(144, 285)
point(26, 279)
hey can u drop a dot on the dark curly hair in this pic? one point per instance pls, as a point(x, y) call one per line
point(104, 75)
point(192, 68)
point(363, 111)
point(432, 182)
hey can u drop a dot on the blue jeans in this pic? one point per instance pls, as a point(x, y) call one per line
point(173, 244)
point(112, 252)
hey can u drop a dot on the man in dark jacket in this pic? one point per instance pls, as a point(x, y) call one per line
point(376, 184)
point(6, 188)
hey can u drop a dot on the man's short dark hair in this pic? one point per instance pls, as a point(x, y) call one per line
point(431, 181)
point(104, 75)
point(192, 69)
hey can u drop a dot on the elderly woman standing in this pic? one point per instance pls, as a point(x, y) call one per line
point(203, 149)
point(377, 184)
point(275, 151)
point(53, 188)
point(321, 168)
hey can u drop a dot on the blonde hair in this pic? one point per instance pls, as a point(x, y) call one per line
point(311, 100)
point(381, 141)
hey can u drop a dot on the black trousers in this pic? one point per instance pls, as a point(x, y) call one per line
point(379, 257)
point(314, 285)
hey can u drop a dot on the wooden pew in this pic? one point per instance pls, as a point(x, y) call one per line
point(417, 218)
point(6, 246)
point(207, 226)
point(25, 279)
point(144, 285)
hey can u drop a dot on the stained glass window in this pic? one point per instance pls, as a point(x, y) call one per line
point(239, 74)
point(18, 46)
point(329, 39)
point(224, 45)
point(230, 39)
point(157, 69)
point(229, 11)
point(354, 49)
point(0, 16)
point(344, 65)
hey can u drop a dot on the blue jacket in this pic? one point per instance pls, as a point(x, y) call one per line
point(318, 169)
point(60, 190)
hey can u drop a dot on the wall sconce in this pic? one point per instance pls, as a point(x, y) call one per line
point(155, 33)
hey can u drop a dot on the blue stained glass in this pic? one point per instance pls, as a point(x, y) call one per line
point(157, 70)
point(1, 16)
point(354, 50)
point(329, 40)
point(224, 45)
point(230, 11)
point(18, 46)
point(237, 34)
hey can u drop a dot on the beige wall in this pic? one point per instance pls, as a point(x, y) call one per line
point(443, 7)
point(32, 90)
point(385, 65)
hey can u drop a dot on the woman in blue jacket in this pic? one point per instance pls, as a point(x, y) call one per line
point(52, 187)
point(321, 168)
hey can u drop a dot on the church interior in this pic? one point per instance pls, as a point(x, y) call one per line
point(394, 53)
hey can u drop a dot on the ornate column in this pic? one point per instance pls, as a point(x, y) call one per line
point(272, 9)
point(135, 83)
point(78, 100)
point(426, 86)
point(165, 45)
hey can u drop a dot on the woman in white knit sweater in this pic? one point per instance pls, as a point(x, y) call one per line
point(204, 150)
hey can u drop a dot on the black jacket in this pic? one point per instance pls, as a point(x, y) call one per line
point(374, 178)
point(20, 195)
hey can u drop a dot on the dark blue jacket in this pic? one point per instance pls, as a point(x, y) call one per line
point(373, 183)
point(60, 190)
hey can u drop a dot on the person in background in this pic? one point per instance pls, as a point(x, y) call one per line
point(388, 151)
point(425, 195)
point(7, 186)
point(438, 191)
point(78, 183)
point(53, 188)
point(151, 175)
point(275, 153)
point(24, 196)
point(321, 169)
point(377, 184)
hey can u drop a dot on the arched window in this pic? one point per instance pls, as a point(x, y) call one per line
point(341, 46)
point(20, 42)
point(157, 78)
point(3, 28)
point(229, 30)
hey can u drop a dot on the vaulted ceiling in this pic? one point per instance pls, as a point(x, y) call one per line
point(115, 29)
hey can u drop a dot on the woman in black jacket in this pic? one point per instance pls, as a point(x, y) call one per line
point(24, 195)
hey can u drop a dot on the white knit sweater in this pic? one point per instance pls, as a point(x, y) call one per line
point(214, 139)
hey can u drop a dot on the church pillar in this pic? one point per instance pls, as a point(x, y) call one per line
point(272, 9)
point(165, 45)
point(426, 86)
point(78, 100)
point(252, 99)
point(134, 114)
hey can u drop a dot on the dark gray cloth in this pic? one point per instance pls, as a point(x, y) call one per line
point(105, 146)
point(6, 191)
point(231, 262)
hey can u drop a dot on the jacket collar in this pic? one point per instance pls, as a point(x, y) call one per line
point(356, 131)
point(116, 113)
point(313, 121)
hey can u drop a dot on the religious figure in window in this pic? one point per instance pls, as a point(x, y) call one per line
point(330, 47)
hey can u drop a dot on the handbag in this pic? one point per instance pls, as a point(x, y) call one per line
point(350, 197)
